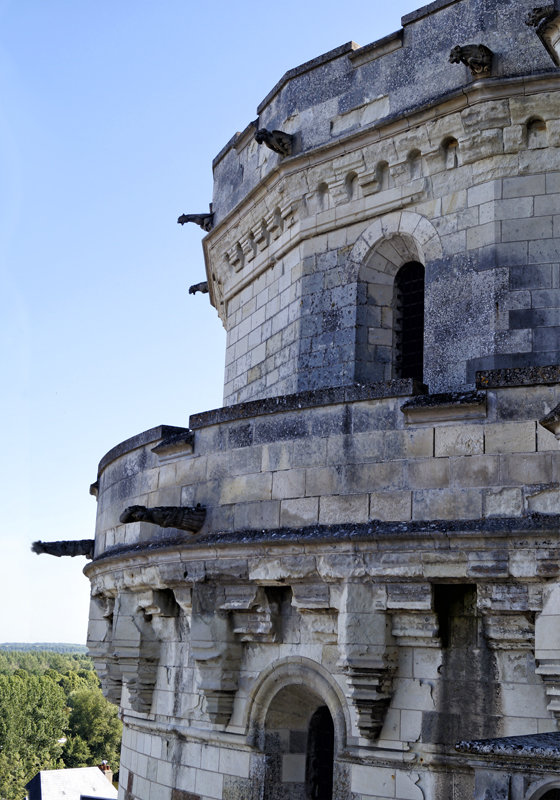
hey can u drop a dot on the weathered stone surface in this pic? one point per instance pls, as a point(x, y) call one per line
point(379, 560)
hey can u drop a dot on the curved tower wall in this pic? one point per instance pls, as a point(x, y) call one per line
point(374, 588)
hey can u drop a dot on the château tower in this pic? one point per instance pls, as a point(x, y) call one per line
point(345, 583)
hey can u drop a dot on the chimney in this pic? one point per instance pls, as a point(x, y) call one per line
point(107, 771)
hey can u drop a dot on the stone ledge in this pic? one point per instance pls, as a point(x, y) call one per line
point(504, 527)
point(431, 8)
point(311, 399)
point(543, 745)
point(141, 439)
point(518, 376)
point(444, 407)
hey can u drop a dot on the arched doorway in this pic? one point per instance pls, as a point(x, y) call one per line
point(299, 746)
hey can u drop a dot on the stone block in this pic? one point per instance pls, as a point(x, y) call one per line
point(288, 483)
point(510, 437)
point(520, 230)
point(368, 477)
point(246, 488)
point(208, 784)
point(365, 778)
point(323, 480)
point(455, 440)
point(299, 512)
point(344, 508)
point(503, 503)
point(526, 469)
point(546, 501)
point(388, 506)
point(234, 762)
point(413, 443)
point(475, 470)
point(524, 186)
point(428, 473)
point(446, 504)
point(256, 516)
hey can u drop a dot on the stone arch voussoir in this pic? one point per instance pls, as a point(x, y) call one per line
point(295, 672)
point(409, 226)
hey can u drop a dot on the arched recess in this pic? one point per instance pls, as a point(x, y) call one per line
point(546, 789)
point(297, 717)
point(384, 248)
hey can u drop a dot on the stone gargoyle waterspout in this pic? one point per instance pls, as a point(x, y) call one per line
point(185, 518)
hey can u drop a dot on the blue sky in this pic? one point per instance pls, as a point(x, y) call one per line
point(110, 114)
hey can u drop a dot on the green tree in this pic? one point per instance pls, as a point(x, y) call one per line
point(33, 718)
point(95, 721)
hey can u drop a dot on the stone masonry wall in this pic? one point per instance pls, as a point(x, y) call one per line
point(470, 194)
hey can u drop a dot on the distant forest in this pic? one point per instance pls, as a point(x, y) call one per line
point(56, 647)
point(52, 715)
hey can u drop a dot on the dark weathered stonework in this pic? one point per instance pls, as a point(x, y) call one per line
point(477, 57)
point(205, 221)
point(199, 287)
point(277, 141)
point(184, 518)
point(540, 14)
point(380, 557)
point(79, 547)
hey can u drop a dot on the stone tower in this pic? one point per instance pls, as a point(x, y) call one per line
point(345, 583)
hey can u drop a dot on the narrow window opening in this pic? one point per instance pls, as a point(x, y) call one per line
point(351, 183)
point(409, 321)
point(415, 164)
point(536, 134)
point(320, 756)
point(451, 153)
point(383, 176)
point(455, 607)
point(323, 200)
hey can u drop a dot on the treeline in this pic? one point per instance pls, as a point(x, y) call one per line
point(57, 647)
point(52, 715)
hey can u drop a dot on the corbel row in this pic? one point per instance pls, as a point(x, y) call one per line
point(370, 623)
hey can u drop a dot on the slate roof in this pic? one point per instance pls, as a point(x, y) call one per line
point(71, 784)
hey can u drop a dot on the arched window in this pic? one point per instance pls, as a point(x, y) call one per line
point(320, 756)
point(553, 794)
point(450, 147)
point(383, 176)
point(351, 184)
point(408, 321)
point(414, 160)
point(323, 201)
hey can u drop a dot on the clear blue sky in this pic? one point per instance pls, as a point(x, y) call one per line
point(110, 115)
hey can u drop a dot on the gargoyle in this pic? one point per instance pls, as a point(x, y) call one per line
point(206, 221)
point(77, 547)
point(186, 518)
point(278, 141)
point(538, 15)
point(199, 287)
point(477, 57)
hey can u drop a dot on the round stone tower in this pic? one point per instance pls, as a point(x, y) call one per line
point(344, 584)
